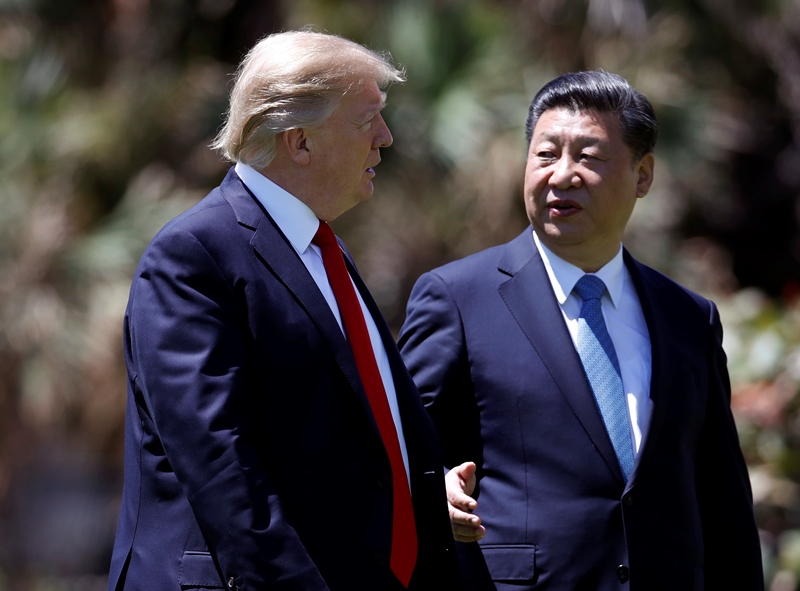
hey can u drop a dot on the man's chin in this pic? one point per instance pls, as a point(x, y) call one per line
point(365, 193)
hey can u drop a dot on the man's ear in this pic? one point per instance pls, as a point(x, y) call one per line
point(297, 144)
point(645, 171)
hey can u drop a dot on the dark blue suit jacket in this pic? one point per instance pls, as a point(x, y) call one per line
point(252, 459)
point(487, 345)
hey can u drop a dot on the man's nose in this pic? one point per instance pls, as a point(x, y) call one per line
point(564, 174)
point(383, 137)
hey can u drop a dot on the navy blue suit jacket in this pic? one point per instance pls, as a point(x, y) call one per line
point(487, 345)
point(252, 460)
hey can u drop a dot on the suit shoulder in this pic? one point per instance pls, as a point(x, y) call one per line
point(477, 261)
point(657, 282)
point(201, 233)
point(480, 265)
point(203, 216)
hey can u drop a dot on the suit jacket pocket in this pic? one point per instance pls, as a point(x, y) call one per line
point(515, 562)
point(198, 570)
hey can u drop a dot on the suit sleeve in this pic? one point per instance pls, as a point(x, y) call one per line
point(187, 337)
point(433, 345)
point(732, 547)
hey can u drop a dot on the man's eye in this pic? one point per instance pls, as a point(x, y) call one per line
point(544, 155)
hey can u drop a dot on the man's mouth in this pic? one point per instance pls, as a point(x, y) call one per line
point(564, 206)
point(560, 206)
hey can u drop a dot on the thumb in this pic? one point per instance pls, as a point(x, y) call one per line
point(466, 473)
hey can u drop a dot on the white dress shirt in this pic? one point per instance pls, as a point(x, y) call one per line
point(299, 224)
point(624, 320)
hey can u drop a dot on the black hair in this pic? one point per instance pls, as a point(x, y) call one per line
point(605, 93)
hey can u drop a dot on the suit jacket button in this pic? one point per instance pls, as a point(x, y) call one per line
point(627, 500)
point(380, 558)
point(231, 582)
point(623, 574)
point(384, 481)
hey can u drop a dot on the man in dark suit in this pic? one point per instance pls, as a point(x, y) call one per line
point(582, 398)
point(274, 439)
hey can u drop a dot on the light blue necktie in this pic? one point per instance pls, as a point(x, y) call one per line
point(602, 368)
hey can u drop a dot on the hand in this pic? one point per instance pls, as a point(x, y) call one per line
point(460, 483)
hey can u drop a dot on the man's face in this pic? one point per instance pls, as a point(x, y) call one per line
point(581, 183)
point(347, 148)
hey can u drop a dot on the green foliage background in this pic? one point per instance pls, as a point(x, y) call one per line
point(106, 111)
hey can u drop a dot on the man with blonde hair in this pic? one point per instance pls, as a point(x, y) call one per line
point(274, 439)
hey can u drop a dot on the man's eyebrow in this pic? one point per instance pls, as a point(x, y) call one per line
point(380, 106)
point(375, 109)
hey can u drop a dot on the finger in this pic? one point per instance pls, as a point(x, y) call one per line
point(463, 533)
point(462, 477)
point(457, 495)
point(461, 501)
point(466, 469)
point(461, 516)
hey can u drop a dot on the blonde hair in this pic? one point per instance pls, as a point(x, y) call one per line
point(292, 80)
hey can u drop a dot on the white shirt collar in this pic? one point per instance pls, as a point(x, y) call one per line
point(563, 275)
point(294, 218)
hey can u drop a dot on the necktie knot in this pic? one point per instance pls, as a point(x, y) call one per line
point(324, 236)
point(590, 287)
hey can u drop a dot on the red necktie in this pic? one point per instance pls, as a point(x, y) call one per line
point(404, 531)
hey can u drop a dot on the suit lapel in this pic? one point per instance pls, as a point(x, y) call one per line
point(278, 255)
point(402, 380)
point(386, 335)
point(531, 301)
point(420, 440)
point(673, 354)
point(655, 327)
point(667, 351)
